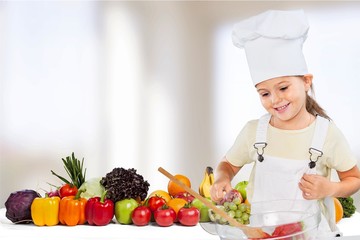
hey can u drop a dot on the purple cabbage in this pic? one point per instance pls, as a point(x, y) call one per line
point(18, 206)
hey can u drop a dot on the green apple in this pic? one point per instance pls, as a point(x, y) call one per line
point(241, 187)
point(197, 203)
point(204, 215)
point(204, 210)
point(123, 210)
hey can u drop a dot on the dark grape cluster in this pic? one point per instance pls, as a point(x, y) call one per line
point(123, 184)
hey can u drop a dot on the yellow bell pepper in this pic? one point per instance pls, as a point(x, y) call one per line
point(45, 211)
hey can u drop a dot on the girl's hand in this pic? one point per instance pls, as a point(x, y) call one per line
point(225, 172)
point(315, 186)
point(219, 189)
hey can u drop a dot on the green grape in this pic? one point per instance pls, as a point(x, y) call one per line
point(226, 205)
point(242, 207)
point(231, 213)
point(238, 213)
point(240, 220)
point(222, 220)
point(248, 209)
point(232, 206)
point(212, 216)
point(235, 209)
point(245, 216)
point(237, 201)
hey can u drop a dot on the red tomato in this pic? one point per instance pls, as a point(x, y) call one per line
point(188, 216)
point(141, 216)
point(165, 216)
point(155, 202)
point(68, 190)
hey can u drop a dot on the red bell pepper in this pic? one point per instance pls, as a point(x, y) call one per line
point(99, 211)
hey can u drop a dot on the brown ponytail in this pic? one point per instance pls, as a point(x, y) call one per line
point(313, 107)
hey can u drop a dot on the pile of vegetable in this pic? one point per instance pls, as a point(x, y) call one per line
point(121, 195)
point(348, 206)
point(77, 200)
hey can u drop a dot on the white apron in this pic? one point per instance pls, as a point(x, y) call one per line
point(278, 178)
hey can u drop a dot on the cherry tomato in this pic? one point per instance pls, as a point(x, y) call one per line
point(155, 202)
point(188, 215)
point(165, 216)
point(68, 190)
point(141, 216)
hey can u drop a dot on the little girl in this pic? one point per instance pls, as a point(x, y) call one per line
point(295, 145)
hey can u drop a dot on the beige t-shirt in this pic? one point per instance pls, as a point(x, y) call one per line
point(294, 144)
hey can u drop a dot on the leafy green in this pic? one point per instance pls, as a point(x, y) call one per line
point(92, 188)
point(74, 169)
point(348, 206)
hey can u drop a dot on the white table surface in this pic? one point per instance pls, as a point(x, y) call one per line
point(350, 227)
point(8, 231)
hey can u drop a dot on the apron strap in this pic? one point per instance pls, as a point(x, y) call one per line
point(261, 133)
point(315, 150)
point(320, 133)
point(318, 140)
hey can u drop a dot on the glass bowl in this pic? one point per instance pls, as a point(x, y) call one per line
point(281, 219)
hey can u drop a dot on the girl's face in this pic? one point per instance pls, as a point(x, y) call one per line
point(285, 99)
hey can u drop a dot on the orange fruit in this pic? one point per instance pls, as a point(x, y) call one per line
point(174, 189)
point(161, 193)
point(339, 211)
point(176, 204)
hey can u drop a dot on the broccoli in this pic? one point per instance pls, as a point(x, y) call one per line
point(348, 206)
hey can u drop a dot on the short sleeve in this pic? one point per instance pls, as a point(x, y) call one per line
point(241, 151)
point(338, 152)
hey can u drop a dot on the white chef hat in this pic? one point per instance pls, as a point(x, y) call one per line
point(273, 43)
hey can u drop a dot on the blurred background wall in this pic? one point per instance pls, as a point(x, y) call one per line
point(148, 84)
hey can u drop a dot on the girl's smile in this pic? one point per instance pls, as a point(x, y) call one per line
point(282, 108)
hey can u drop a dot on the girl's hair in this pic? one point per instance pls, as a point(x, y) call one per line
point(313, 107)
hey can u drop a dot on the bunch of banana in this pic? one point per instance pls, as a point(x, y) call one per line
point(207, 182)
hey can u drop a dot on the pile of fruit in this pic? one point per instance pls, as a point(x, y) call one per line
point(121, 196)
